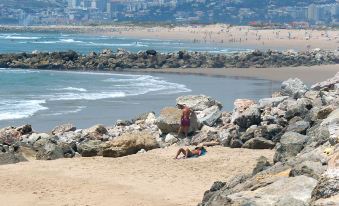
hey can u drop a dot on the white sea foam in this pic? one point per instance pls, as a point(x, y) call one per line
point(137, 44)
point(17, 71)
point(19, 109)
point(45, 42)
point(143, 84)
point(70, 41)
point(84, 96)
point(71, 89)
point(231, 50)
point(20, 37)
point(78, 109)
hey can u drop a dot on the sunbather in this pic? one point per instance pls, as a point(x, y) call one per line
point(198, 151)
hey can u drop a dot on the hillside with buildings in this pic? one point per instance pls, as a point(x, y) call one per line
point(242, 12)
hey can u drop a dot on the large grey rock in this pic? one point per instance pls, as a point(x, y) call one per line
point(49, 151)
point(169, 120)
point(90, 148)
point(198, 102)
point(209, 116)
point(11, 157)
point(291, 143)
point(70, 137)
point(318, 135)
point(328, 84)
point(324, 112)
point(63, 128)
point(328, 185)
point(227, 135)
point(205, 136)
point(332, 117)
point(294, 108)
point(274, 131)
point(31, 139)
point(330, 201)
point(171, 139)
point(299, 127)
point(299, 188)
point(331, 123)
point(129, 143)
point(262, 164)
point(310, 153)
point(308, 168)
point(259, 143)
point(251, 116)
point(271, 102)
point(248, 134)
point(95, 133)
point(235, 143)
point(294, 88)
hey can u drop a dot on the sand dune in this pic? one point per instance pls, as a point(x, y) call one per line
point(152, 178)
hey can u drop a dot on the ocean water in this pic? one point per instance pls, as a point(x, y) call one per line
point(48, 98)
point(45, 99)
point(53, 41)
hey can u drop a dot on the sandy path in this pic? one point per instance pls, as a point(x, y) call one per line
point(309, 75)
point(153, 178)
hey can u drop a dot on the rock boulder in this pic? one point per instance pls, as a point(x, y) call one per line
point(170, 118)
point(129, 143)
point(198, 102)
point(291, 143)
point(294, 88)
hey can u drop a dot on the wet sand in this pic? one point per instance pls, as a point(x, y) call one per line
point(152, 178)
point(309, 75)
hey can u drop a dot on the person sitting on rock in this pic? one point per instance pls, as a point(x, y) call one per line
point(185, 119)
point(196, 152)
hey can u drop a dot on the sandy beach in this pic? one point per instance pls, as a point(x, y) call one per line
point(220, 34)
point(309, 75)
point(152, 178)
point(239, 36)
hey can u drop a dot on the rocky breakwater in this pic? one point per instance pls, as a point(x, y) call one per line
point(301, 124)
point(121, 59)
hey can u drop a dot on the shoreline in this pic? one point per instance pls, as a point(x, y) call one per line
point(309, 75)
point(243, 158)
point(299, 39)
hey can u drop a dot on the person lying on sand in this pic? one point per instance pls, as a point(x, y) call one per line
point(198, 151)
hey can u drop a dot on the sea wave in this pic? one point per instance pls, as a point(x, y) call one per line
point(84, 96)
point(71, 89)
point(19, 109)
point(142, 84)
point(20, 37)
point(230, 50)
point(78, 109)
point(44, 42)
point(132, 78)
point(137, 44)
point(17, 71)
point(70, 41)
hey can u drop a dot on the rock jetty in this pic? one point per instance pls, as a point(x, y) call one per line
point(300, 123)
point(108, 60)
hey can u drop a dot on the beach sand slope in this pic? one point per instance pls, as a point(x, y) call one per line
point(152, 178)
